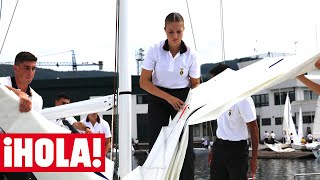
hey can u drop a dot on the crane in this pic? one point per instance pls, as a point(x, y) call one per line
point(73, 63)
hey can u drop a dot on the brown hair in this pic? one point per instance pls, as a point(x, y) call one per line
point(24, 56)
point(173, 17)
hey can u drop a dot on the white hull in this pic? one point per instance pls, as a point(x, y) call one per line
point(315, 148)
point(298, 146)
point(316, 153)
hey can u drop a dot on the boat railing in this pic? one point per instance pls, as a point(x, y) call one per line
point(305, 174)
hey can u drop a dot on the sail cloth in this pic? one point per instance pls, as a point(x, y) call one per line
point(98, 104)
point(300, 125)
point(208, 101)
point(12, 121)
point(288, 124)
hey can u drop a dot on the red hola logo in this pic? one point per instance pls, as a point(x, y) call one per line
point(52, 152)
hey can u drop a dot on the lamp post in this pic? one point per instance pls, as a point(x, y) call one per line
point(139, 58)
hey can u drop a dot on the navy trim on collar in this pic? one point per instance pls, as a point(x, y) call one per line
point(98, 119)
point(183, 47)
point(14, 85)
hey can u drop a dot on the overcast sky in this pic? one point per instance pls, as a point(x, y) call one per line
point(48, 27)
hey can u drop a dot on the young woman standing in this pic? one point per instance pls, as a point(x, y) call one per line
point(169, 70)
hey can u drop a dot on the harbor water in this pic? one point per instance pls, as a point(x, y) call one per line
point(268, 169)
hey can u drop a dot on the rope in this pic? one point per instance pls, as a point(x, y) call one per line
point(1, 11)
point(5, 37)
point(222, 32)
point(115, 119)
point(194, 40)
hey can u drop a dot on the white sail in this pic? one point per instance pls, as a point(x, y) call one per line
point(285, 122)
point(78, 108)
point(245, 82)
point(288, 124)
point(316, 123)
point(300, 125)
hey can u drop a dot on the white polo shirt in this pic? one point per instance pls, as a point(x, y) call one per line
point(232, 124)
point(171, 72)
point(273, 135)
point(36, 99)
point(59, 122)
point(102, 127)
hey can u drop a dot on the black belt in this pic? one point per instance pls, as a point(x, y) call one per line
point(221, 141)
point(173, 90)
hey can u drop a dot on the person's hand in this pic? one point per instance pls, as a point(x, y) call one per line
point(88, 131)
point(25, 103)
point(317, 64)
point(210, 157)
point(253, 166)
point(176, 103)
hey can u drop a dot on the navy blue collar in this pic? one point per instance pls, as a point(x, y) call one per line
point(183, 47)
point(14, 85)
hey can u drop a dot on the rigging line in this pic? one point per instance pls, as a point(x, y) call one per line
point(194, 40)
point(115, 122)
point(54, 53)
point(5, 37)
point(222, 32)
point(1, 11)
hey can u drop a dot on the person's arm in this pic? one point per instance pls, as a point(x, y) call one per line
point(254, 133)
point(195, 82)
point(310, 84)
point(146, 84)
point(210, 156)
point(25, 103)
point(108, 145)
point(82, 127)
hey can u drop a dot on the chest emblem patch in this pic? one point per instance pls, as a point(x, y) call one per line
point(229, 113)
point(181, 71)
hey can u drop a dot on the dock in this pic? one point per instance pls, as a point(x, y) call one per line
point(267, 154)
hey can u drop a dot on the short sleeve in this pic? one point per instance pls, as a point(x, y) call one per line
point(107, 131)
point(194, 70)
point(247, 110)
point(149, 61)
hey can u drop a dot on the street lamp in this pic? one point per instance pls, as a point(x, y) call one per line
point(139, 58)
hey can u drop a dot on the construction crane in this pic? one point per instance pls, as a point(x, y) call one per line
point(73, 63)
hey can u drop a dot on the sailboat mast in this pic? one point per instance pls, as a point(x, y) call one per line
point(124, 93)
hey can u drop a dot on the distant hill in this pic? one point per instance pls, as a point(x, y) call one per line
point(7, 70)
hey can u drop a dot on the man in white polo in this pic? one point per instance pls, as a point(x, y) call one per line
point(230, 150)
point(69, 122)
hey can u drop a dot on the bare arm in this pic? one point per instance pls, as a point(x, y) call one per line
point(108, 145)
point(146, 84)
point(25, 103)
point(195, 82)
point(310, 84)
point(82, 127)
point(254, 133)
